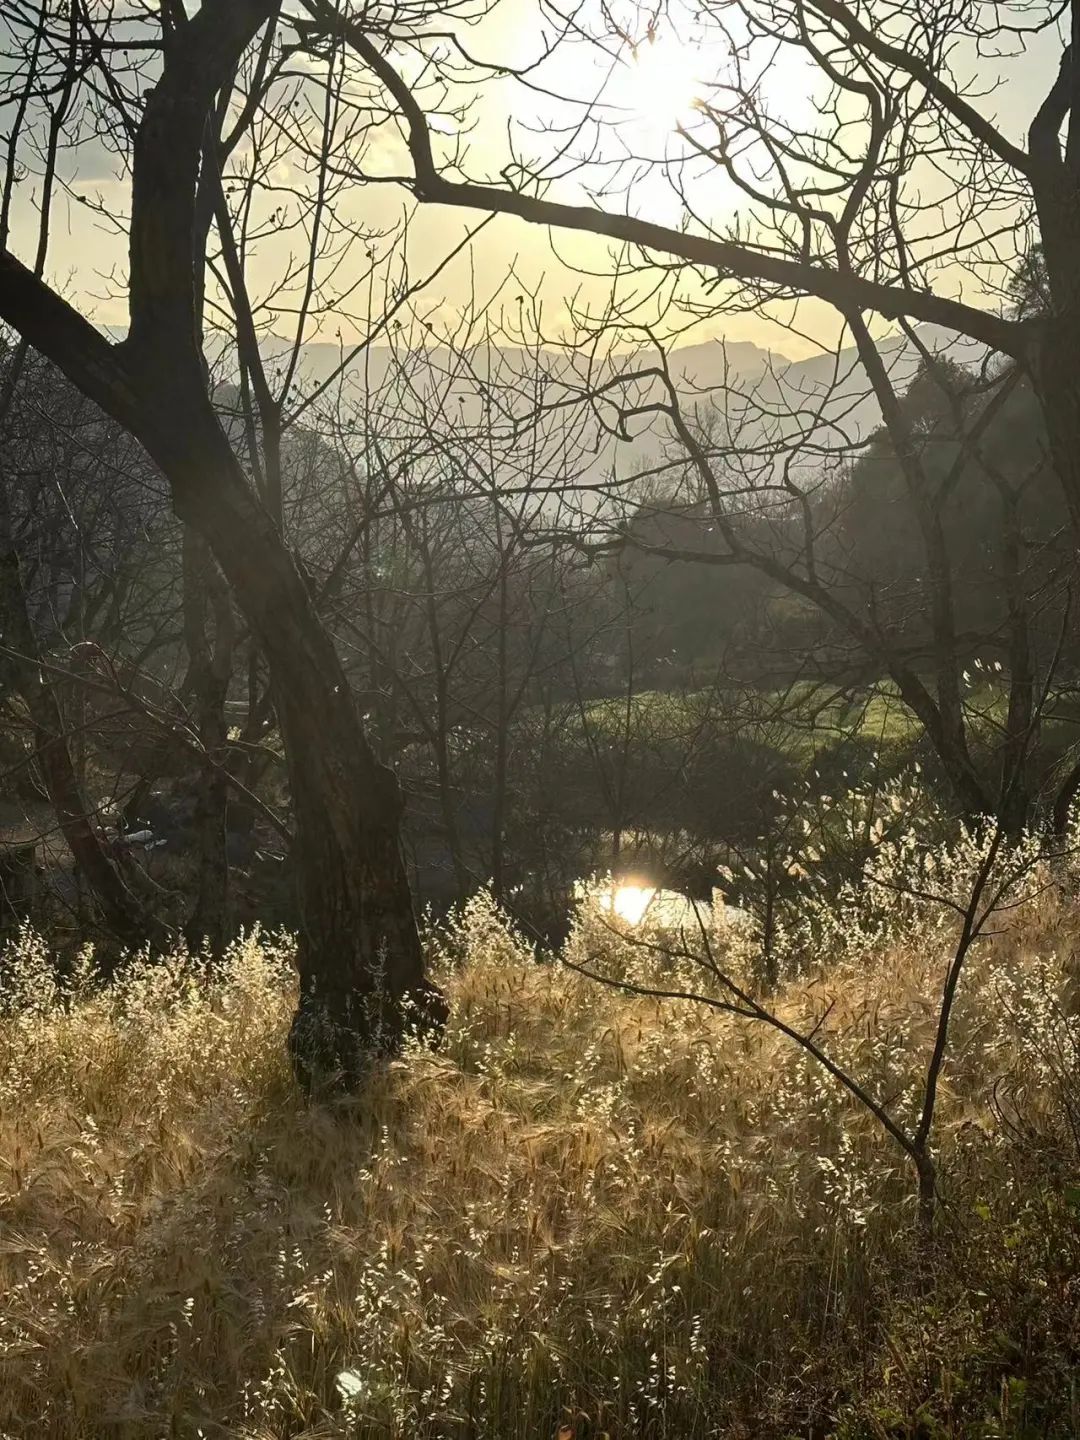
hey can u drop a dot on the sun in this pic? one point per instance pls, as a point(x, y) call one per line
point(659, 87)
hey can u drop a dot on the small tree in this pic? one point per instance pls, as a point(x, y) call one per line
point(975, 878)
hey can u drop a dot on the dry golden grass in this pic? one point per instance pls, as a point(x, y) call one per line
point(589, 1213)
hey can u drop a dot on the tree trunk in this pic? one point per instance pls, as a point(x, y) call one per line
point(498, 807)
point(927, 1207)
point(502, 726)
point(1022, 721)
point(1057, 380)
point(362, 982)
point(361, 967)
point(121, 911)
point(207, 681)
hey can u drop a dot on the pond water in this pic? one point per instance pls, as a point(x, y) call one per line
point(654, 908)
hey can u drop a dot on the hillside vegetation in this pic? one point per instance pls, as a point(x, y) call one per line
point(591, 1213)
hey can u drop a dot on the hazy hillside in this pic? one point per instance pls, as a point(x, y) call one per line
point(759, 395)
point(824, 400)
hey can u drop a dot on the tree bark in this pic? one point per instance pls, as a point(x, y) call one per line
point(1022, 720)
point(927, 1203)
point(1056, 370)
point(207, 681)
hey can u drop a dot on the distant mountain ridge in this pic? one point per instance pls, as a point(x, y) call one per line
point(824, 400)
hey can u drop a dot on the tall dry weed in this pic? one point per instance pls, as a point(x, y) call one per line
point(591, 1211)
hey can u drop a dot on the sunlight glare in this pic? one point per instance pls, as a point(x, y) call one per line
point(628, 902)
point(661, 85)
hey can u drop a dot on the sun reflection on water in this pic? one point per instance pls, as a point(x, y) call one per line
point(628, 902)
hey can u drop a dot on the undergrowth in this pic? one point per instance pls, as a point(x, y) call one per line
point(591, 1212)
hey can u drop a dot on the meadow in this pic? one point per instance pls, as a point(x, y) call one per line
point(591, 1213)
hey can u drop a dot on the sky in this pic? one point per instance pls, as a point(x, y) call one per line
point(648, 95)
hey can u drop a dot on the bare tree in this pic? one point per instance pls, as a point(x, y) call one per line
point(987, 877)
point(438, 562)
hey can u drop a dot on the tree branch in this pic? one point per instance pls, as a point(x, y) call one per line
point(977, 125)
point(1044, 137)
point(199, 59)
point(739, 262)
point(62, 335)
